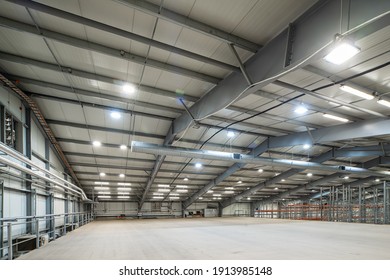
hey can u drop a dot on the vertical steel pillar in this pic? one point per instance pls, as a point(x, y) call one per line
point(2, 123)
point(1, 216)
point(385, 204)
point(28, 152)
point(220, 210)
point(50, 210)
point(37, 233)
point(10, 247)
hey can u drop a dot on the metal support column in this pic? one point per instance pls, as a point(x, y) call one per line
point(2, 123)
point(10, 247)
point(37, 233)
point(49, 211)
point(220, 210)
point(30, 207)
point(1, 216)
point(385, 204)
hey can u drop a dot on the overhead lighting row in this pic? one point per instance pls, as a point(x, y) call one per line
point(107, 183)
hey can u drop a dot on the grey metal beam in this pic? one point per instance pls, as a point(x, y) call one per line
point(241, 158)
point(185, 21)
point(119, 32)
point(155, 106)
point(330, 99)
point(314, 32)
point(88, 45)
point(98, 106)
point(269, 182)
point(361, 129)
point(135, 168)
point(89, 75)
point(367, 164)
point(311, 107)
point(139, 103)
point(261, 148)
point(81, 142)
point(127, 132)
point(94, 94)
point(134, 159)
point(105, 129)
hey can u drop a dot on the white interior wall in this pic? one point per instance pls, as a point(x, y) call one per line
point(237, 209)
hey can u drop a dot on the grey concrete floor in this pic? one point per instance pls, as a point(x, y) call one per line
point(218, 238)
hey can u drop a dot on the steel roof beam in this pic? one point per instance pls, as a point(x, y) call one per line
point(119, 32)
point(242, 158)
point(155, 106)
point(91, 76)
point(98, 106)
point(326, 98)
point(81, 142)
point(125, 100)
point(367, 165)
point(272, 181)
point(121, 54)
point(360, 129)
point(187, 22)
point(313, 34)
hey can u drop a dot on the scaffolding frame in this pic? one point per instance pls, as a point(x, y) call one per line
point(360, 204)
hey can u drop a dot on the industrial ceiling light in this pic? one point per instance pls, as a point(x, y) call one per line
point(101, 188)
point(300, 109)
point(200, 198)
point(357, 92)
point(102, 183)
point(229, 192)
point(181, 186)
point(115, 115)
point(307, 146)
point(340, 119)
point(248, 198)
point(124, 184)
point(123, 147)
point(239, 182)
point(96, 143)
point(157, 193)
point(342, 51)
point(185, 179)
point(346, 177)
point(276, 188)
point(210, 191)
point(123, 193)
point(158, 197)
point(102, 174)
point(124, 197)
point(104, 192)
point(309, 174)
point(174, 194)
point(216, 194)
point(260, 170)
point(163, 186)
point(122, 175)
point(182, 191)
point(377, 180)
point(198, 165)
point(283, 180)
point(104, 196)
point(383, 102)
point(124, 189)
point(163, 190)
point(128, 88)
point(230, 134)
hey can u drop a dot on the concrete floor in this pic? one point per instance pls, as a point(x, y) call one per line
point(218, 238)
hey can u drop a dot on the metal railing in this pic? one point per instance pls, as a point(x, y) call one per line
point(66, 222)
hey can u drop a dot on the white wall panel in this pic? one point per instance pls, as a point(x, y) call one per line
point(237, 209)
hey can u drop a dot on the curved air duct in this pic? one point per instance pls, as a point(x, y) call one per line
point(47, 175)
point(242, 158)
